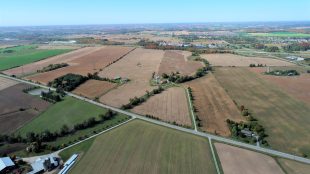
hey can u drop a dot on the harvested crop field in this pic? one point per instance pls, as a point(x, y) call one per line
point(138, 66)
point(296, 86)
point(237, 160)
point(170, 105)
point(94, 88)
point(176, 61)
point(141, 147)
point(17, 107)
point(5, 83)
point(285, 119)
point(63, 58)
point(293, 167)
point(213, 104)
point(237, 60)
point(89, 63)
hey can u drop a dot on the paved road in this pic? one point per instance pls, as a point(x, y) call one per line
point(190, 131)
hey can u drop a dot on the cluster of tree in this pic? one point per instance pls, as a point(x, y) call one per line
point(272, 49)
point(258, 65)
point(138, 100)
point(252, 126)
point(302, 46)
point(152, 117)
point(177, 78)
point(283, 73)
point(26, 90)
point(95, 76)
point(51, 96)
point(92, 40)
point(68, 82)
point(52, 67)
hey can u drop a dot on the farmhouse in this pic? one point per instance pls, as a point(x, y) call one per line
point(247, 132)
point(5, 164)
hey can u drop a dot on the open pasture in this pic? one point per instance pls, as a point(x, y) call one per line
point(18, 108)
point(213, 104)
point(285, 119)
point(63, 58)
point(237, 160)
point(176, 61)
point(138, 66)
point(89, 63)
point(237, 60)
point(171, 105)
point(140, 147)
point(94, 88)
point(20, 55)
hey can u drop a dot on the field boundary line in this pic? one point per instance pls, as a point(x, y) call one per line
point(186, 130)
point(214, 157)
point(191, 109)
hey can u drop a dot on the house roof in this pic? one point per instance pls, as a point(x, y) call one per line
point(5, 162)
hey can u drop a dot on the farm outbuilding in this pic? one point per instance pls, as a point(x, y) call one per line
point(5, 163)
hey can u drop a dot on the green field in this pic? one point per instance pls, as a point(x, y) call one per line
point(140, 147)
point(281, 34)
point(69, 111)
point(21, 55)
point(286, 120)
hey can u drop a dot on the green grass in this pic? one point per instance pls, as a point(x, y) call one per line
point(140, 147)
point(69, 111)
point(281, 34)
point(22, 55)
point(285, 119)
point(79, 149)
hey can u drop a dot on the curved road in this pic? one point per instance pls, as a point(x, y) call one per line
point(190, 131)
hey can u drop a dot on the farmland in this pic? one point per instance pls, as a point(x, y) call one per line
point(89, 63)
point(241, 161)
point(18, 108)
point(284, 118)
point(63, 58)
point(281, 34)
point(171, 105)
point(176, 61)
point(94, 88)
point(213, 105)
point(69, 111)
point(297, 86)
point(138, 66)
point(237, 60)
point(5, 83)
point(293, 167)
point(20, 55)
point(140, 147)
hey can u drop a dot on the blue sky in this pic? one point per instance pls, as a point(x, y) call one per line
point(75, 12)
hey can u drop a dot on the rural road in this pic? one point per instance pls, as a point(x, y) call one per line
point(190, 131)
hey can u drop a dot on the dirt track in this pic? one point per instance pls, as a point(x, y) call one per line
point(236, 160)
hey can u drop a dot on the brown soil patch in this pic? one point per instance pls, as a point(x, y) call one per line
point(176, 61)
point(237, 160)
point(293, 167)
point(237, 60)
point(5, 83)
point(90, 63)
point(12, 100)
point(171, 105)
point(94, 88)
point(213, 105)
point(297, 86)
point(138, 66)
point(63, 58)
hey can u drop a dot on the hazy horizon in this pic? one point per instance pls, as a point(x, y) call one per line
point(82, 12)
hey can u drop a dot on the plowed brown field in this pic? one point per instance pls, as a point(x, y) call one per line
point(237, 60)
point(171, 105)
point(5, 83)
point(176, 61)
point(63, 58)
point(213, 105)
point(138, 66)
point(90, 63)
point(94, 88)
